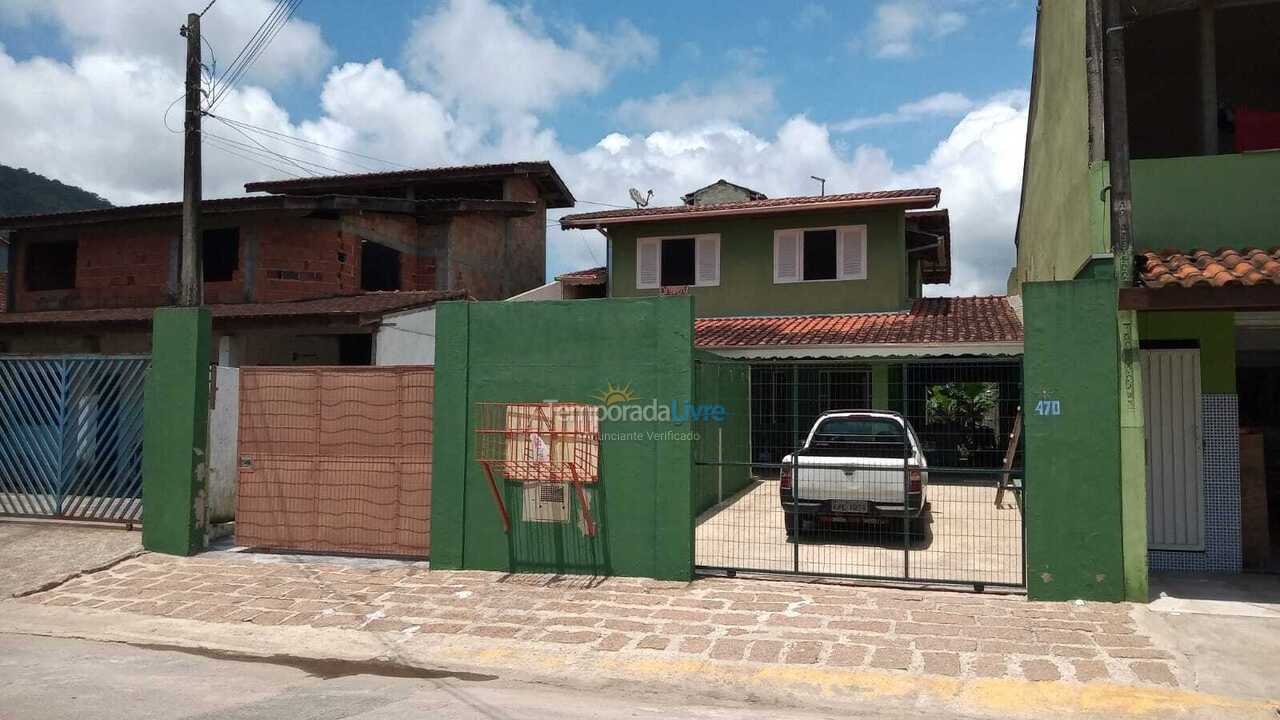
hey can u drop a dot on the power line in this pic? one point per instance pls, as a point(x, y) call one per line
point(231, 149)
point(279, 16)
point(300, 163)
point(206, 7)
point(288, 137)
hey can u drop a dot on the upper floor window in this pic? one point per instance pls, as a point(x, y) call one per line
point(220, 254)
point(830, 253)
point(677, 261)
point(51, 265)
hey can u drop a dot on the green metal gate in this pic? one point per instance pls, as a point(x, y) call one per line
point(71, 437)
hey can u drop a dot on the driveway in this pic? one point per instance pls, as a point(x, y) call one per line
point(37, 554)
point(970, 539)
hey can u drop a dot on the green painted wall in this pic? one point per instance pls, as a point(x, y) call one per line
point(1215, 331)
point(1075, 543)
point(175, 432)
point(1055, 227)
point(723, 450)
point(1133, 460)
point(746, 265)
point(570, 351)
point(1198, 202)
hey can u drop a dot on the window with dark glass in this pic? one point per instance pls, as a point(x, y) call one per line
point(819, 254)
point(677, 262)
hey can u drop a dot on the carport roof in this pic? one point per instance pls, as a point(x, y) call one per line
point(933, 326)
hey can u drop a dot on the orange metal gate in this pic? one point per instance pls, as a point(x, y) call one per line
point(336, 459)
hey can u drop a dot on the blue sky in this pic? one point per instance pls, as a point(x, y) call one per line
point(656, 94)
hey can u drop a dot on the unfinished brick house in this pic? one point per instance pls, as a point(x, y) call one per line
point(324, 270)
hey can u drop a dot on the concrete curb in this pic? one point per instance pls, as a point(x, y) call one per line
point(572, 666)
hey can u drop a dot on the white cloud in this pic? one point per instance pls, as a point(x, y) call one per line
point(1028, 37)
point(478, 53)
point(944, 104)
point(743, 98)
point(149, 28)
point(812, 15)
point(899, 26)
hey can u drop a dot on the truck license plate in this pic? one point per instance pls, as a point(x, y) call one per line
point(849, 506)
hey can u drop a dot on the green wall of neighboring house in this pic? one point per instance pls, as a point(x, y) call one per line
point(746, 265)
point(568, 351)
point(1056, 218)
point(1215, 333)
point(1206, 202)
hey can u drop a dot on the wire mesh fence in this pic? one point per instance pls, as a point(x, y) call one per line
point(918, 478)
point(336, 459)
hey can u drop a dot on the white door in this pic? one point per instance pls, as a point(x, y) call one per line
point(1175, 492)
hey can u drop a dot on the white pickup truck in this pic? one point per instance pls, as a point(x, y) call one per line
point(854, 468)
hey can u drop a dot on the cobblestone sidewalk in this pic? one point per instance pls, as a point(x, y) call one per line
point(752, 621)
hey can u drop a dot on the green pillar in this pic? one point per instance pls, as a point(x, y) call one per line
point(1133, 468)
point(175, 432)
point(1074, 509)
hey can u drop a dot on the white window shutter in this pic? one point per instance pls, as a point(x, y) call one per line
point(851, 252)
point(648, 258)
point(706, 251)
point(786, 256)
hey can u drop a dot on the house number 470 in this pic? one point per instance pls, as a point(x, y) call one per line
point(1048, 407)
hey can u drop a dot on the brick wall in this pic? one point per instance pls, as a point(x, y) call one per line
point(527, 244)
point(475, 255)
point(117, 265)
point(303, 258)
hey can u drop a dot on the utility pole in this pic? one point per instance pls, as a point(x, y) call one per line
point(190, 290)
point(1118, 143)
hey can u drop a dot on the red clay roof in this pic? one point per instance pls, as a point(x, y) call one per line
point(373, 303)
point(553, 188)
point(590, 276)
point(913, 198)
point(1228, 266)
point(929, 321)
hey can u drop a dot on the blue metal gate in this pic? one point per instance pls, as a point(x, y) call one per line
point(71, 437)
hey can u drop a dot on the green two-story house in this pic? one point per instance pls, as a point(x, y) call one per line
point(823, 296)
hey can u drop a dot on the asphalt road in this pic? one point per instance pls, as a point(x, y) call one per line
point(48, 678)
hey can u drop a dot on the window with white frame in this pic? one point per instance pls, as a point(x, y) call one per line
point(677, 261)
point(826, 253)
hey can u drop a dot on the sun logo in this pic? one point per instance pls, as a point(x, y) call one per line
point(613, 395)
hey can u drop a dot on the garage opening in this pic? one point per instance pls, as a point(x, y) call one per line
point(899, 470)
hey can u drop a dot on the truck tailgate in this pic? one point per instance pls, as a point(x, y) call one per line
point(878, 480)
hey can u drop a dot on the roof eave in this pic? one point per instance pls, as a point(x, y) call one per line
point(568, 223)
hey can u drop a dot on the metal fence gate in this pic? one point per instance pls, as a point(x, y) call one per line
point(336, 459)
point(71, 437)
point(772, 506)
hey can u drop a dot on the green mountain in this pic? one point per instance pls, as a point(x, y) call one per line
point(23, 192)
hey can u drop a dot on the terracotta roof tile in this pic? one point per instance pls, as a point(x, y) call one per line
point(929, 321)
point(916, 197)
point(373, 303)
point(590, 276)
point(1228, 266)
